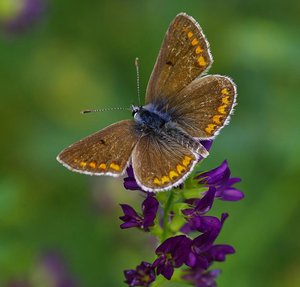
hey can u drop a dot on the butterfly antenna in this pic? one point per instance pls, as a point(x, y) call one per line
point(137, 78)
point(104, 110)
point(138, 93)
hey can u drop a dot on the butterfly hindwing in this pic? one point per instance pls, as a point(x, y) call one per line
point(160, 164)
point(183, 56)
point(106, 152)
point(204, 106)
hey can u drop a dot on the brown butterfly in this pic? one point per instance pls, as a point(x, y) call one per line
point(181, 108)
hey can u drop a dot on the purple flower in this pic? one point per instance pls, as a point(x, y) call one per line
point(203, 253)
point(194, 215)
point(202, 205)
point(201, 278)
point(218, 252)
point(129, 181)
point(172, 253)
point(219, 178)
point(199, 246)
point(143, 275)
point(30, 12)
point(132, 219)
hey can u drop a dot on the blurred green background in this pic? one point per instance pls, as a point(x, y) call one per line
point(81, 55)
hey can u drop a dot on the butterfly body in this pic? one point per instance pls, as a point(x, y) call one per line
point(152, 122)
point(182, 107)
point(149, 120)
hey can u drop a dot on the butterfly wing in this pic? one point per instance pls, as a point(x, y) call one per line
point(159, 164)
point(204, 107)
point(106, 152)
point(183, 56)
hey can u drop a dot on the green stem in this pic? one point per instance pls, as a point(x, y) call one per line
point(167, 208)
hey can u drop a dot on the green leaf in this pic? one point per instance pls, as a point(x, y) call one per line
point(194, 192)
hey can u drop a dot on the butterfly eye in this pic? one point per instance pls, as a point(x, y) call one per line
point(134, 110)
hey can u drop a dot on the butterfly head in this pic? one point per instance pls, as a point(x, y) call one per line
point(135, 109)
point(138, 113)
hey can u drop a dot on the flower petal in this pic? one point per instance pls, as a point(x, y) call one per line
point(233, 181)
point(167, 271)
point(129, 181)
point(210, 224)
point(206, 202)
point(218, 175)
point(149, 207)
point(130, 217)
point(219, 252)
point(143, 275)
point(230, 194)
point(129, 211)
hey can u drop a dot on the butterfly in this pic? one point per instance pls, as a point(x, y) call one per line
point(182, 107)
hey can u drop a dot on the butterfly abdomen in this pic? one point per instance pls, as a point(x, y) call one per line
point(184, 139)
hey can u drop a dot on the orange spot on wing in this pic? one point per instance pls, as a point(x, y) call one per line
point(210, 128)
point(225, 92)
point(173, 174)
point(201, 61)
point(190, 34)
point(156, 181)
point(221, 109)
point(181, 169)
point(165, 179)
point(186, 161)
point(226, 100)
point(114, 166)
point(199, 50)
point(92, 164)
point(217, 119)
point(102, 166)
point(82, 163)
point(195, 42)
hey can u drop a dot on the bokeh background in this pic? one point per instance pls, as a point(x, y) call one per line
point(63, 56)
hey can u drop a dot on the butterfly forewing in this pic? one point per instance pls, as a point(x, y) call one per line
point(204, 106)
point(184, 55)
point(160, 164)
point(106, 152)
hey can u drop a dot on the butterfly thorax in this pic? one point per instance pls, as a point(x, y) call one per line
point(151, 121)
